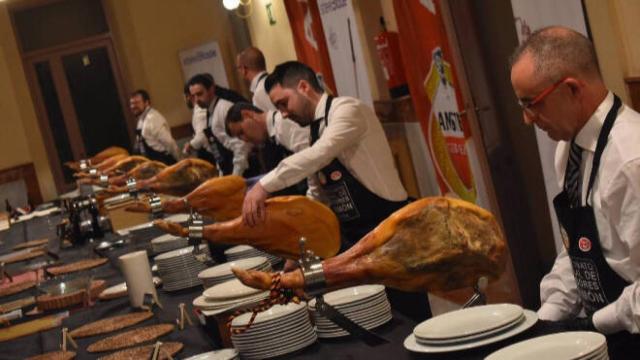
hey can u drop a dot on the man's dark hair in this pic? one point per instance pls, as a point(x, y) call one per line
point(186, 89)
point(234, 115)
point(289, 73)
point(142, 93)
point(206, 80)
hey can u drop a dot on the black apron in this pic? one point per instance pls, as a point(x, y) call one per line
point(142, 148)
point(222, 157)
point(272, 153)
point(358, 209)
point(598, 284)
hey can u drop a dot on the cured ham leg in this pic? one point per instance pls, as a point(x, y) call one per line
point(177, 180)
point(431, 244)
point(99, 157)
point(218, 198)
point(287, 219)
point(122, 166)
point(142, 171)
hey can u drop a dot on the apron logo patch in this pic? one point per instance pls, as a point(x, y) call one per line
point(336, 175)
point(584, 244)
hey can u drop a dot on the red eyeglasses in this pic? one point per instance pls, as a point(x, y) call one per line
point(527, 104)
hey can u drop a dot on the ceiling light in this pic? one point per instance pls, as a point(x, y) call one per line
point(231, 4)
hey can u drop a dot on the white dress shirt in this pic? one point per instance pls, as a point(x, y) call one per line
point(199, 123)
point(156, 132)
point(294, 138)
point(260, 97)
point(615, 199)
point(239, 148)
point(355, 137)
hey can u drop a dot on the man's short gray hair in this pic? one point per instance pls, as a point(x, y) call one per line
point(559, 52)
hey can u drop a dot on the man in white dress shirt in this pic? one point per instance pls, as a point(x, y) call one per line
point(252, 67)
point(230, 154)
point(153, 135)
point(348, 154)
point(593, 284)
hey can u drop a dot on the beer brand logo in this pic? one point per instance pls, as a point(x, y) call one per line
point(584, 244)
point(336, 175)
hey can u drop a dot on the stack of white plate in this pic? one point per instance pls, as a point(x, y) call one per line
point(229, 294)
point(168, 242)
point(246, 251)
point(469, 328)
point(281, 330)
point(366, 305)
point(222, 354)
point(578, 345)
point(179, 269)
point(221, 273)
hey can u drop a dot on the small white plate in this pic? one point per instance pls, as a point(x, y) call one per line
point(566, 346)
point(350, 295)
point(238, 249)
point(177, 252)
point(232, 289)
point(473, 337)
point(225, 269)
point(164, 239)
point(469, 321)
point(223, 354)
point(411, 344)
point(177, 218)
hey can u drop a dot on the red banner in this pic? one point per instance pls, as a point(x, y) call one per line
point(308, 38)
point(436, 95)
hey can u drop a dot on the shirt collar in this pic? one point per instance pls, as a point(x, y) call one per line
point(587, 137)
point(254, 82)
point(320, 108)
point(271, 127)
point(144, 113)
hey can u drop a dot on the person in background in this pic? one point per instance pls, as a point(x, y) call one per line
point(252, 68)
point(279, 138)
point(594, 283)
point(153, 135)
point(350, 155)
point(198, 143)
point(230, 155)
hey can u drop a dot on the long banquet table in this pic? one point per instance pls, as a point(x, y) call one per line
point(197, 338)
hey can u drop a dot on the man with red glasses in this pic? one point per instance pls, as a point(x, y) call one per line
point(594, 283)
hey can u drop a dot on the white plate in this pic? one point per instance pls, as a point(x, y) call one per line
point(473, 337)
point(178, 218)
point(469, 321)
point(115, 289)
point(238, 249)
point(160, 240)
point(232, 289)
point(203, 303)
point(225, 269)
point(177, 252)
point(223, 354)
point(282, 350)
point(530, 319)
point(349, 295)
point(274, 312)
point(561, 346)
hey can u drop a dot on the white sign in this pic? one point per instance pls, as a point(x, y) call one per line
point(205, 58)
point(530, 16)
point(345, 49)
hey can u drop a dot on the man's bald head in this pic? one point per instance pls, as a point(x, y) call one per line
point(253, 59)
point(558, 52)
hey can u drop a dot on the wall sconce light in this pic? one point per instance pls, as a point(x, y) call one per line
point(242, 8)
point(230, 4)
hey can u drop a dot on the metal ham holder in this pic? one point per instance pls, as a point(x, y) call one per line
point(155, 203)
point(132, 187)
point(196, 232)
point(315, 285)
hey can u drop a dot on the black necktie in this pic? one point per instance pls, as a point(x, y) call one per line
point(572, 175)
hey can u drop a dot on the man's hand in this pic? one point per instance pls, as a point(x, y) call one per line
point(253, 211)
point(186, 149)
